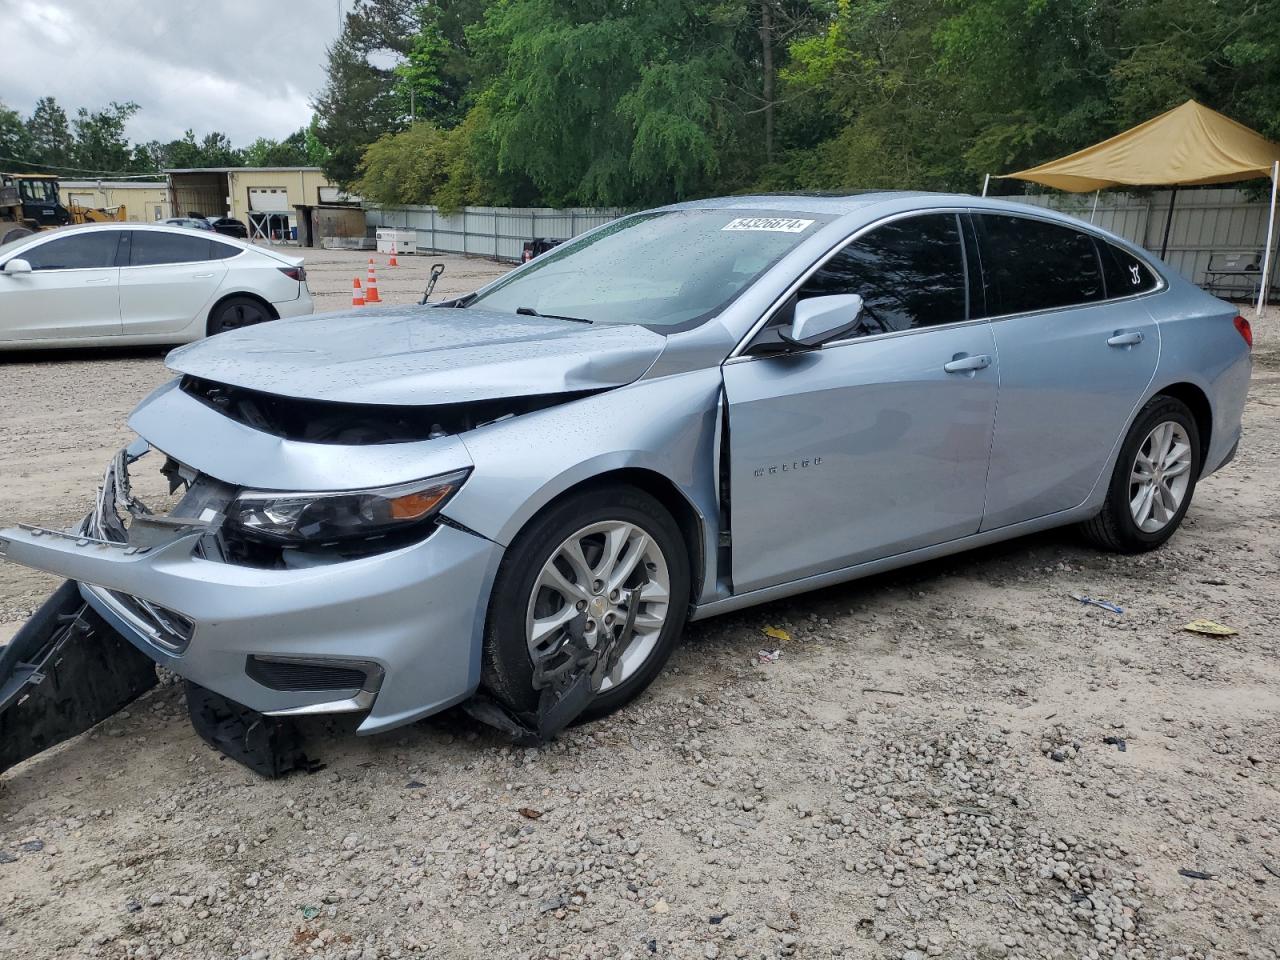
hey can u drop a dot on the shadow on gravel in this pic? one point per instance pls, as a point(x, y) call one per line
point(82, 354)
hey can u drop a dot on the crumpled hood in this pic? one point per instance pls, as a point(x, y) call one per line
point(415, 355)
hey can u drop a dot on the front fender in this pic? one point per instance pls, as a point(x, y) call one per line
point(667, 425)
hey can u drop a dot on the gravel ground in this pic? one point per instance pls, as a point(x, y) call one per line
point(957, 760)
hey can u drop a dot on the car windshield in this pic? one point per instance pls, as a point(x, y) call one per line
point(665, 269)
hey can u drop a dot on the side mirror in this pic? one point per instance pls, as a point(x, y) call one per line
point(819, 319)
point(17, 265)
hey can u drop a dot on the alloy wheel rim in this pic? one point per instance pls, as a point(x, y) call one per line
point(601, 572)
point(240, 315)
point(1160, 476)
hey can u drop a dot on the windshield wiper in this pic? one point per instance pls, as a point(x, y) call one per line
point(530, 312)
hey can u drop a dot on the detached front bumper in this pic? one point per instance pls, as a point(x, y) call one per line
point(398, 633)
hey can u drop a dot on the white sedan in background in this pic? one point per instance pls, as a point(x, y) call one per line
point(133, 283)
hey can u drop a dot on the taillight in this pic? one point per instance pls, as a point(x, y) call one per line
point(294, 273)
point(1243, 328)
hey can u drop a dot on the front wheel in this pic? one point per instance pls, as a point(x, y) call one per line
point(1153, 482)
point(607, 568)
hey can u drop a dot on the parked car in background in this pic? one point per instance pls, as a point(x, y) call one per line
point(140, 283)
point(190, 223)
point(682, 413)
point(229, 226)
point(537, 247)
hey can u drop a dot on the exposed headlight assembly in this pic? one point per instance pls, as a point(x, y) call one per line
point(298, 519)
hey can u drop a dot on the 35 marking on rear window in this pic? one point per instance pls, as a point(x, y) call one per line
point(771, 224)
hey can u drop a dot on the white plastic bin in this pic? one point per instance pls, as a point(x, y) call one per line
point(406, 241)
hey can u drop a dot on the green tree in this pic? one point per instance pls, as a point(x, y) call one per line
point(15, 140)
point(600, 103)
point(100, 144)
point(426, 164)
point(426, 81)
point(359, 102)
point(48, 135)
point(212, 150)
point(289, 152)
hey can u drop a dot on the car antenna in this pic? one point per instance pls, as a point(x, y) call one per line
point(436, 270)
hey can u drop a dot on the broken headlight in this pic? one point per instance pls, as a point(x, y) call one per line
point(319, 518)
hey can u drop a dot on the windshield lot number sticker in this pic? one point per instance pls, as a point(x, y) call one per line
point(770, 224)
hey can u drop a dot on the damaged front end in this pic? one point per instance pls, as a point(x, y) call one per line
point(273, 595)
point(70, 667)
point(65, 671)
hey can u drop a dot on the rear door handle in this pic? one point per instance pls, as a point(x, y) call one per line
point(1124, 338)
point(202, 276)
point(961, 363)
point(99, 280)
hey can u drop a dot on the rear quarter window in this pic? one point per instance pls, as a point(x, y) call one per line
point(1125, 274)
point(153, 247)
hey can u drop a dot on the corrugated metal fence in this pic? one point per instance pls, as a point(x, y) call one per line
point(498, 232)
point(1206, 222)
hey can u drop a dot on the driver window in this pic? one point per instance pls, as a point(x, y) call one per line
point(909, 273)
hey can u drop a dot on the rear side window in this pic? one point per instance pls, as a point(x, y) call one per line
point(1036, 265)
point(156, 247)
point(222, 251)
point(909, 273)
point(1125, 274)
point(83, 251)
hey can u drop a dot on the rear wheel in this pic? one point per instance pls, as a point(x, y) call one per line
point(16, 233)
point(237, 312)
point(610, 563)
point(1153, 482)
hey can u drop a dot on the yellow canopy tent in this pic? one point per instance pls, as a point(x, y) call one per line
point(1189, 145)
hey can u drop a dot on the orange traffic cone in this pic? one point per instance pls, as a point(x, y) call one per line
point(392, 262)
point(357, 295)
point(371, 294)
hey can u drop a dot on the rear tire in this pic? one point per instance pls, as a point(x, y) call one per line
point(520, 589)
point(1153, 481)
point(17, 233)
point(235, 313)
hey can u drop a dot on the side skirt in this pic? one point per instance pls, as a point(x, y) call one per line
point(856, 572)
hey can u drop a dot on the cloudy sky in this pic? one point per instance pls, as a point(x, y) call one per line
point(245, 67)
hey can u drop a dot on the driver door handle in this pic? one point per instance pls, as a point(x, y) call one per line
point(966, 364)
point(1125, 338)
point(99, 280)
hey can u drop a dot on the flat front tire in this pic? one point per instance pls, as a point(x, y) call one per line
point(591, 558)
point(1153, 481)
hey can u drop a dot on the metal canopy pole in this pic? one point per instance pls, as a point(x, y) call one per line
point(1094, 211)
point(985, 183)
point(1168, 221)
point(1265, 286)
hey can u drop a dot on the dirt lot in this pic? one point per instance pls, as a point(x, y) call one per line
point(924, 772)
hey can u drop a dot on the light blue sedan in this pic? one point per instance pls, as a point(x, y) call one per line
point(519, 497)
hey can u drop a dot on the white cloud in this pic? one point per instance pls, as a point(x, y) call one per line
point(246, 68)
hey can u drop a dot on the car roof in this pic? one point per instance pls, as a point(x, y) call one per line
point(858, 206)
point(156, 228)
point(823, 203)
